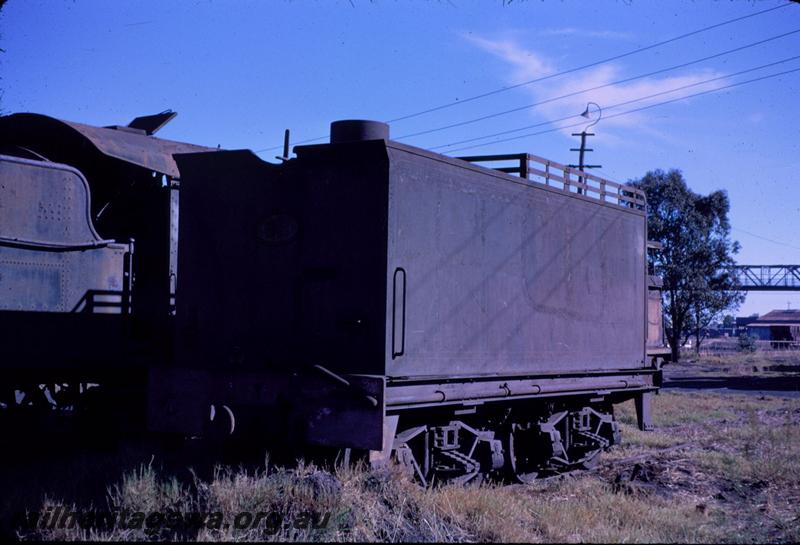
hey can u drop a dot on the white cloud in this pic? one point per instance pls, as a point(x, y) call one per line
point(526, 65)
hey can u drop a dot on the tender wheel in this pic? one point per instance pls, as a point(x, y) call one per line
point(519, 462)
point(528, 451)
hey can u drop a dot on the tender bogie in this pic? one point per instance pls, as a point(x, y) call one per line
point(517, 442)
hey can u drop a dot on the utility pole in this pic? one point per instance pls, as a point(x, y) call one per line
point(583, 149)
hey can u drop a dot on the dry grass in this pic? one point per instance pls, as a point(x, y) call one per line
point(673, 409)
point(385, 506)
point(741, 363)
point(734, 478)
point(753, 451)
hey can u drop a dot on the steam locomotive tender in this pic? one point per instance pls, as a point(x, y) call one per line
point(363, 295)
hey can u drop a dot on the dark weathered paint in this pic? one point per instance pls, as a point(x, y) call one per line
point(456, 270)
point(291, 275)
point(512, 388)
point(51, 258)
point(151, 124)
point(491, 274)
point(507, 276)
point(46, 134)
point(373, 261)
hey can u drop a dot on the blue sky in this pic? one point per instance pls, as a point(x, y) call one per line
point(240, 72)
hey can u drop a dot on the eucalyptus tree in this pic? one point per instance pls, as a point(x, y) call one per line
point(696, 259)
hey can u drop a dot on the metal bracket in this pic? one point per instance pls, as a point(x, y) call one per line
point(644, 416)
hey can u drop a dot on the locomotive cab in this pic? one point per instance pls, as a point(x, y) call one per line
point(51, 256)
point(78, 305)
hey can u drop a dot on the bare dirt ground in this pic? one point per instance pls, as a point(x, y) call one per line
point(723, 465)
point(734, 457)
point(727, 440)
point(776, 373)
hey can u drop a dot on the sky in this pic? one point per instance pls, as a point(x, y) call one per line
point(240, 72)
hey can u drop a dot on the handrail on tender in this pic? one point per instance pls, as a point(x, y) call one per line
point(568, 179)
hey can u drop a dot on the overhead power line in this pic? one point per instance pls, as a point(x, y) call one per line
point(630, 111)
point(549, 76)
point(625, 103)
point(605, 175)
point(583, 67)
point(595, 88)
point(765, 238)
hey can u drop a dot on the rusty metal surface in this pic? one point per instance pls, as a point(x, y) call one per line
point(45, 133)
point(655, 320)
point(129, 202)
point(65, 251)
point(151, 124)
point(51, 258)
point(45, 205)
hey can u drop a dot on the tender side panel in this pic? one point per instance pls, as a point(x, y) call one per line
point(505, 277)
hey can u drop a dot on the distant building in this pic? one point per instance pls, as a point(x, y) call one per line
point(778, 325)
point(743, 322)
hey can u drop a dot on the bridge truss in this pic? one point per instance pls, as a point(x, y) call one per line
point(768, 277)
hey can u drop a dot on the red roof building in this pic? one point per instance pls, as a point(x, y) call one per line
point(777, 325)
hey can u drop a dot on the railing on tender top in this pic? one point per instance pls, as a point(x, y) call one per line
point(571, 180)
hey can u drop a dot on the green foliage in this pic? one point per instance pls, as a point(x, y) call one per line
point(696, 261)
point(728, 321)
point(747, 343)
